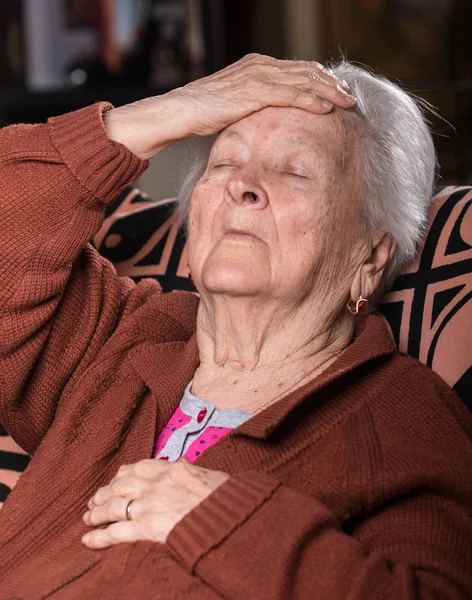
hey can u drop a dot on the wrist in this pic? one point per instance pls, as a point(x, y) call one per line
point(141, 127)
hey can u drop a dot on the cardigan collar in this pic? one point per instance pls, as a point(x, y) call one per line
point(373, 340)
point(170, 365)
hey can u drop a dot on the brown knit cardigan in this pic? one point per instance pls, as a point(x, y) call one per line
point(357, 486)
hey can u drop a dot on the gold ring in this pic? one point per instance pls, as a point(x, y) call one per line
point(128, 510)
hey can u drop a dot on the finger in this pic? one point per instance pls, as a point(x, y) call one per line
point(328, 89)
point(110, 512)
point(288, 95)
point(151, 468)
point(147, 468)
point(246, 64)
point(129, 486)
point(124, 470)
point(260, 65)
point(325, 73)
point(116, 533)
point(329, 86)
point(148, 465)
point(314, 68)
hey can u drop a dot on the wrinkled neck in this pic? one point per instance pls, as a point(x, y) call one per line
point(261, 345)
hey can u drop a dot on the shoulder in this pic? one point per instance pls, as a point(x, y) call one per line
point(412, 436)
point(418, 385)
point(416, 406)
point(396, 387)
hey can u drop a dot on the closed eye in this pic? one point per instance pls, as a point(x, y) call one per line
point(295, 174)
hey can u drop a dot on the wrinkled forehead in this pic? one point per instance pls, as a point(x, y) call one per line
point(280, 129)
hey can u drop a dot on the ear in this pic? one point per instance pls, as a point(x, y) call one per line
point(370, 274)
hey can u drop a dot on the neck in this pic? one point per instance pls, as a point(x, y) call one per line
point(254, 350)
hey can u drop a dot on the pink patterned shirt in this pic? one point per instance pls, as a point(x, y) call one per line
point(195, 426)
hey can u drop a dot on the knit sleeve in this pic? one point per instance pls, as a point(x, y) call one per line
point(256, 538)
point(59, 299)
point(291, 545)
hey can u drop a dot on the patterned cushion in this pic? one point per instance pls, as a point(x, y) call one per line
point(142, 238)
point(429, 307)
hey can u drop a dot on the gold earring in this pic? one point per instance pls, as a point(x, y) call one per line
point(360, 306)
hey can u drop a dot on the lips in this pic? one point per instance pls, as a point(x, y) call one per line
point(240, 234)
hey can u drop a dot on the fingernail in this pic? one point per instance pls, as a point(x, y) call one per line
point(326, 104)
point(86, 515)
point(348, 95)
point(85, 538)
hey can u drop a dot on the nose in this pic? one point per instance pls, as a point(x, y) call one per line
point(244, 190)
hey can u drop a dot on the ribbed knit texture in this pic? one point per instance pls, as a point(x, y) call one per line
point(221, 514)
point(356, 486)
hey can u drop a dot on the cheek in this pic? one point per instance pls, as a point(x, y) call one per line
point(203, 208)
point(306, 233)
point(303, 220)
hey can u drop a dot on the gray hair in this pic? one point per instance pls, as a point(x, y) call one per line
point(397, 157)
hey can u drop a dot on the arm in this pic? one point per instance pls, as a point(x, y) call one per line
point(277, 543)
point(59, 300)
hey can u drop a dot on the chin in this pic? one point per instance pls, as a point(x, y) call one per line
point(232, 278)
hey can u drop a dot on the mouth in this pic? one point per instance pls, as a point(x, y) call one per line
point(237, 234)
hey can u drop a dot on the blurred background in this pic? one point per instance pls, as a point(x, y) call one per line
point(59, 55)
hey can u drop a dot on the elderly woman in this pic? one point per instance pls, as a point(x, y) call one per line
point(301, 456)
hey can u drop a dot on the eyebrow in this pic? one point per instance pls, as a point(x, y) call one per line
point(232, 135)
